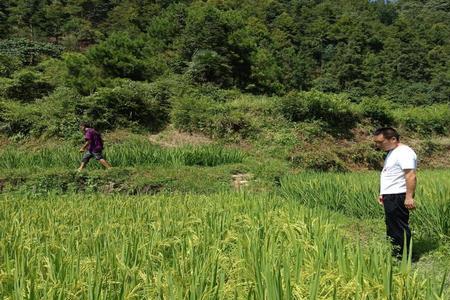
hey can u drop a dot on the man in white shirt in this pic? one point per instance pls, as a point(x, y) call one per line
point(397, 186)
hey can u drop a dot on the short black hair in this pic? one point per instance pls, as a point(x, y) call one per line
point(387, 132)
point(85, 125)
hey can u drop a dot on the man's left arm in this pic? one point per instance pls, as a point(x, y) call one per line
point(411, 180)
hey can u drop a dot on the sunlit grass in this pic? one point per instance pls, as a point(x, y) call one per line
point(223, 246)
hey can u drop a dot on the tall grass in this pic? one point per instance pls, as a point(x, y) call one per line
point(127, 154)
point(355, 195)
point(189, 247)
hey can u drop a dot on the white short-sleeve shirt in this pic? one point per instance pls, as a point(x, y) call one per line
point(392, 179)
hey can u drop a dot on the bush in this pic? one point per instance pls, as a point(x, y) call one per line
point(60, 117)
point(335, 110)
point(232, 123)
point(323, 160)
point(194, 114)
point(362, 154)
point(127, 57)
point(19, 119)
point(202, 114)
point(54, 72)
point(25, 85)
point(215, 93)
point(164, 89)
point(5, 85)
point(411, 93)
point(52, 116)
point(9, 64)
point(426, 120)
point(81, 74)
point(29, 52)
point(429, 148)
point(379, 110)
point(130, 104)
point(209, 66)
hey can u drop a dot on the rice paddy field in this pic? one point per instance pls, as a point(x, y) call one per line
point(310, 236)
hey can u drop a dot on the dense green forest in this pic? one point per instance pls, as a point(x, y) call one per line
point(147, 63)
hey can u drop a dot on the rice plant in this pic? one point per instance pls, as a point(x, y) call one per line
point(355, 195)
point(224, 246)
point(122, 155)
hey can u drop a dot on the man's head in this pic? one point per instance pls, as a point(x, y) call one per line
point(386, 138)
point(84, 126)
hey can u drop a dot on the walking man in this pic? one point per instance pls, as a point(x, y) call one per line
point(397, 187)
point(93, 147)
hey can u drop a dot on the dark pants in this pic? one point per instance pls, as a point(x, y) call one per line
point(397, 218)
point(88, 155)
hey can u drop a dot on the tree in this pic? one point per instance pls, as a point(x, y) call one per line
point(209, 66)
point(125, 57)
point(29, 52)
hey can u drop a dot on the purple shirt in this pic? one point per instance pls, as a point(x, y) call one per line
point(95, 140)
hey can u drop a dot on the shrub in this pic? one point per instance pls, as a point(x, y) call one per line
point(232, 123)
point(60, 117)
point(9, 64)
point(29, 52)
point(335, 110)
point(25, 85)
point(127, 57)
point(215, 93)
point(362, 154)
point(209, 66)
point(427, 119)
point(130, 104)
point(194, 114)
point(204, 115)
point(127, 105)
point(81, 74)
point(19, 120)
point(379, 110)
point(411, 93)
point(323, 160)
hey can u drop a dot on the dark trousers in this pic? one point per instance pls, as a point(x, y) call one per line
point(397, 218)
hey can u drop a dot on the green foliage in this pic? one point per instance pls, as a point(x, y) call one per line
point(397, 49)
point(362, 155)
point(9, 64)
point(129, 104)
point(29, 52)
point(417, 93)
point(208, 66)
point(193, 114)
point(126, 154)
point(266, 73)
point(230, 122)
point(60, 115)
point(319, 161)
point(334, 110)
point(54, 115)
point(426, 120)
point(18, 121)
point(81, 73)
point(378, 110)
point(220, 120)
point(312, 130)
point(26, 85)
point(126, 57)
point(394, 50)
point(205, 28)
